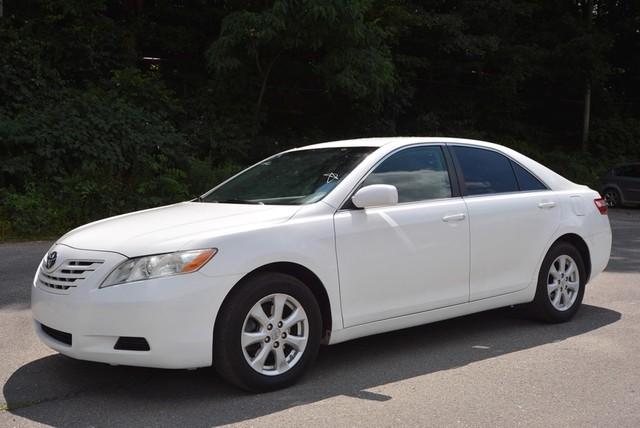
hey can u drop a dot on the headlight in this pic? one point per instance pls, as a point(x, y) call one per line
point(140, 268)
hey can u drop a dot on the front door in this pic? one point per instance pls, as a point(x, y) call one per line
point(629, 182)
point(406, 258)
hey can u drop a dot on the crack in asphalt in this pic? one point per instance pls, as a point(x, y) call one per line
point(100, 388)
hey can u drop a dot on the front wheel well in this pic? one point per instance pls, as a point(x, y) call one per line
point(581, 246)
point(309, 278)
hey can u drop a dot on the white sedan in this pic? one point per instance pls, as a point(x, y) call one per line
point(319, 245)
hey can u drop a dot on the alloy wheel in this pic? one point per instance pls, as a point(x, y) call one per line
point(563, 282)
point(275, 334)
point(611, 197)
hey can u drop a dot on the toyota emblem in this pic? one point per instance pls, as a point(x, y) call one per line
point(51, 259)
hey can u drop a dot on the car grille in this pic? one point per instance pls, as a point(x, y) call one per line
point(69, 275)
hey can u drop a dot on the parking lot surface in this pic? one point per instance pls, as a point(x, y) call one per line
point(491, 369)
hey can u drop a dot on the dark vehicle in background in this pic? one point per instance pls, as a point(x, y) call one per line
point(621, 185)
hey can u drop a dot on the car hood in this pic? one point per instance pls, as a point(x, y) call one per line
point(172, 227)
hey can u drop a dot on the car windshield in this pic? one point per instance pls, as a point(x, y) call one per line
point(291, 178)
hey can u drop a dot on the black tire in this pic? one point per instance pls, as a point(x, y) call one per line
point(613, 198)
point(228, 356)
point(542, 307)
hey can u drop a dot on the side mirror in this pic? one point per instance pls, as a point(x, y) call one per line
point(375, 195)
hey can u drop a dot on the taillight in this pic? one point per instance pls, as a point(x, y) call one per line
point(602, 206)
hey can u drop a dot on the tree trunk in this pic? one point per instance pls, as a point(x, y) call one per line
point(586, 117)
point(263, 88)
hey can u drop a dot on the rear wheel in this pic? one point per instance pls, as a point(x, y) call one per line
point(268, 332)
point(561, 284)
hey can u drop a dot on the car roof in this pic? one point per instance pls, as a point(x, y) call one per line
point(396, 141)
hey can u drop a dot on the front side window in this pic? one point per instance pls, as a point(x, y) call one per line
point(291, 178)
point(632, 171)
point(419, 173)
point(485, 171)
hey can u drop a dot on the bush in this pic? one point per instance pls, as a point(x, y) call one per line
point(29, 214)
point(88, 155)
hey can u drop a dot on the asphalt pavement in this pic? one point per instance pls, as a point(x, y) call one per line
point(490, 369)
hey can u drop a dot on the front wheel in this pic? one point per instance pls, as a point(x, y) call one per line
point(561, 284)
point(268, 332)
point(613, 199)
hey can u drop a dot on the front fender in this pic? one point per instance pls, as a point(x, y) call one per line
point(306, 241)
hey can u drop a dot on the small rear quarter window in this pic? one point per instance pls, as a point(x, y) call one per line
point(526, 180)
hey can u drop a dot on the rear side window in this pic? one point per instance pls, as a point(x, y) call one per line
point(526, 180)
point(485, 171)
point(419, 173)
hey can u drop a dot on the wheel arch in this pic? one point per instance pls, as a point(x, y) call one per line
point(581, 245)
point(304, 274)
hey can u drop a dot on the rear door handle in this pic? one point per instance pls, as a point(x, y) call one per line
point(454, 217)
point(546, 205)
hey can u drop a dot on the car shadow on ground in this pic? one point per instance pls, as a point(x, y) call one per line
point(59, 391)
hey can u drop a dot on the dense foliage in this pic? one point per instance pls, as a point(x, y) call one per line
point(112, 105)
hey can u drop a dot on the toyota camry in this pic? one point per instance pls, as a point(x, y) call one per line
point(320, 245)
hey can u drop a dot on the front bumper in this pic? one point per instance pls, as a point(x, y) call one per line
point(174, 314)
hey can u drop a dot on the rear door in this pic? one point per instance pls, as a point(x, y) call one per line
point(512, 217)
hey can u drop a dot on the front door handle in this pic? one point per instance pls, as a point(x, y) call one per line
point(546, 205)
point(454, 217)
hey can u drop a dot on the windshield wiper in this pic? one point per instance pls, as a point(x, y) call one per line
point(239, 201)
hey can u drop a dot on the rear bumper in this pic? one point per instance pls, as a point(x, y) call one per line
point(175, 315)
point(600, 250)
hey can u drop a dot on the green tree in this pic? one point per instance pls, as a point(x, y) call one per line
point(323, 43)
point(114, 105)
